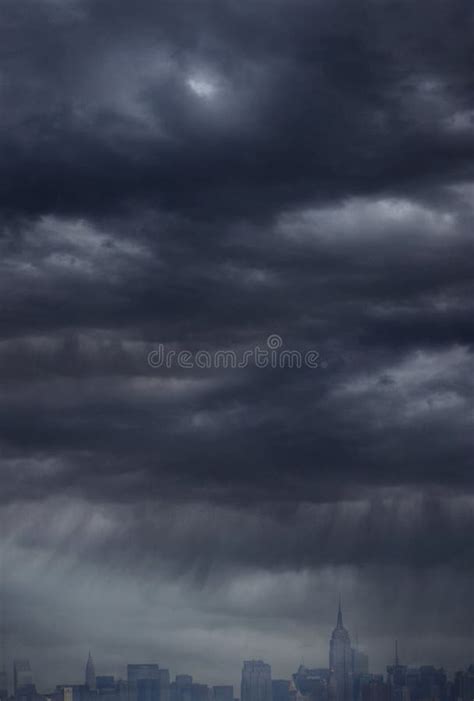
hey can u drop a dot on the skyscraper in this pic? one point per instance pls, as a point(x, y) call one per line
point(180, 689)
point(371, 687)
point(164, 677)
point(135, 672)
point(22, 676)
point(223, 693)
point(147, 682)
point(90, 673)
point(360, 662)
point(340, 662)
point(464, 685)
point(105, 684)
point(256, 682)
point(280, 690)
point(311, 683)
point(397, 679)
point(200, 692)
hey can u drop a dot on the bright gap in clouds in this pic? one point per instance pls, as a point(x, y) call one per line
point(202, 87)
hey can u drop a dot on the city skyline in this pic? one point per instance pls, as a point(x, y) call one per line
point(346, 678)
point(89, 673)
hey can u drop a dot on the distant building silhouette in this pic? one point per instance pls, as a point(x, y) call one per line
point(147, 682)
point(360, 662)
point(90, 673)
point(22, 676)
point(105, 684)
point(340, 662)
point(372, 687)
point(464, 685)
point(256, 682)
point(280, 690)
point(77, 692)
point(223, 693)
point(397, 679)
point(135, 672)
point(426, 683)
point(311, 684)
point(200, 692)
point(181, 688)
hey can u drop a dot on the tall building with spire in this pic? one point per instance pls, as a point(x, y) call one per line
point(340, 662)
point(397, 679)
point(90, 673)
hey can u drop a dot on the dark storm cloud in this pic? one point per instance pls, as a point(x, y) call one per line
point(209, 542)
point(401, 402)
point(311, 101)
point(203, 175)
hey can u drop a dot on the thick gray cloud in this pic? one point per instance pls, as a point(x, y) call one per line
point(204, 175)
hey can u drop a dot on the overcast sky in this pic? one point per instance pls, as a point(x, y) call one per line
point(203, 174)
